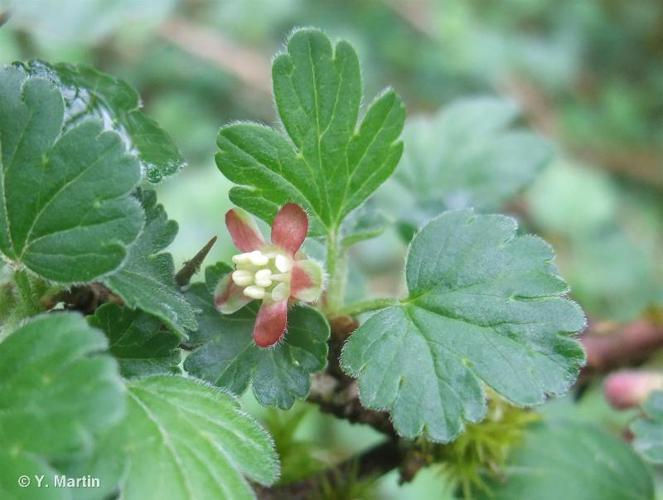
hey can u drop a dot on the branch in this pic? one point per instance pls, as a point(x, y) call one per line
point(336, 393)
point(610, 346)
point(374, 462)
point(248, 65)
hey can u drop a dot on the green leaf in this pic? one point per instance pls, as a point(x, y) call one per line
point(88, 93)
point(648, 431)
point(65, 209)
point(15, 465)
point(485, 306)
point(230, 359)
point(147, 279)
point(186, 440)
point(55, 389)
point(467, 155)
point(331, 164)
point(140, 343)
point(574, 461)
point(56, 393)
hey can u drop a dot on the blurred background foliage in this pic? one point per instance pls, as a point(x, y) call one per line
point(587, 75)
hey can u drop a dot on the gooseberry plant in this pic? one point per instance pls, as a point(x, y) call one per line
point(118, 368)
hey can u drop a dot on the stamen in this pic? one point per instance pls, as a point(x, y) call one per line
point(283, 263)
point(242, 258)
point(262, 278)
point(258, 258)
point(254, 292)
point(242, 277)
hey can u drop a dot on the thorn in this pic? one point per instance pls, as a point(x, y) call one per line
point(192, 266)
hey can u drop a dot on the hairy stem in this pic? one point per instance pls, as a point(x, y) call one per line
point(366, 305)
point(337, 264)
point(28, 298)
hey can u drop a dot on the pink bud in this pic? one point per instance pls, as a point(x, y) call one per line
point(629, 388)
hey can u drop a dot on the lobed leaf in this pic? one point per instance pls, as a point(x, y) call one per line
point(89, 93)
point(575, 461)
point(147, 279)
point(331, 164)
point(65, 209)
point(140, 343)
point(182, 439)
point(56, 393)
point(485, 306)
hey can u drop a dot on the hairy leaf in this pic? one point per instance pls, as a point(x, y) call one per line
point(467, 155)
point(55, 390)
point(140, 343)
point(574, 461)
point(88, 93)
point(648, 431)
point(65, 209)
point(331, 164)
point(15, 465)
point(485, 306)
point(229, 358)
point(185, 440)
point(147, 279)
point(56, 393)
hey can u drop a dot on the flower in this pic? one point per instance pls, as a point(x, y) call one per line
point(275, 272)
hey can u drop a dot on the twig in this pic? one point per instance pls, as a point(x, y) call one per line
point(375, 462)
point(344, 403)
point(249, 66)
point(83, 298)
point(336, 393)
point(192, 266)
point(610, 346)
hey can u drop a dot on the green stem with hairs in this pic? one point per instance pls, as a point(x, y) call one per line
point(366, 305)
point(337, 270)
point(28, 298)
